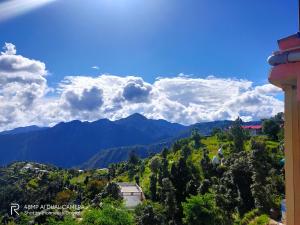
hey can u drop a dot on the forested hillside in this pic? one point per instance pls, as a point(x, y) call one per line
point(229, 178)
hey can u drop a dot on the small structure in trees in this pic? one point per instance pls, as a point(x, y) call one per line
point(253, 130)
point(215, 161)
point(132, 194)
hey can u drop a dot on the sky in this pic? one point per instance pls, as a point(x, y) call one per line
point(184, 61)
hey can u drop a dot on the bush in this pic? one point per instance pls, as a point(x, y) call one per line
point(109, 214)
point(149, 213)
point(201, 210)
point(248, 217)
point(261, 220)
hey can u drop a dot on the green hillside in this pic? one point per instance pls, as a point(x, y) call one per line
point(183, 185)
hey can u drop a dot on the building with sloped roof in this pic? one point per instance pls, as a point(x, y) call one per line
point(132, 194)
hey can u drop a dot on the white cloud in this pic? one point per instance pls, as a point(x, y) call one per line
point(87, 100)
point(137, 91)
point(22, 82)
point(24, 100)
point(95, 67)
point(9, 49)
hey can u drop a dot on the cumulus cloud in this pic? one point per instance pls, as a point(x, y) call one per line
point(9, 49)
point(136, 91)
point(22, 82)
point(180, 99)
point(183, 99)
point(87, 100)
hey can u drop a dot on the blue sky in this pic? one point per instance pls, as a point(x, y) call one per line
point(181, 41)
point(153, 38)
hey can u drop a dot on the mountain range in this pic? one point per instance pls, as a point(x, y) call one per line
point(94, 144)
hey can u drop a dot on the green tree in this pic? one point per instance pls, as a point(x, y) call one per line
point(137, 180)
point(238, 135)
point(113, 191)
point(215, 131)
point(95, 187)
point(133, 158)
point(271, 128)
point(201, 210)
point(65, 197)
point(111, 171)
point(207, 166)
point(109, 214)
point(262, 189)
point(196, 137)
point(153, 186)
point(234, 187)
point(149, 213)
point(169, 199)
point(155, 164)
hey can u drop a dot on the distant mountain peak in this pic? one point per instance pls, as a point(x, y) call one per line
point(136, 116)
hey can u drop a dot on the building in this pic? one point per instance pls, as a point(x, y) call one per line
point(132, 194)
point(253, 130)
point(285, 73)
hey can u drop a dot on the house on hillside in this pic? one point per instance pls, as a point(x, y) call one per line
point(253, 130)
point(132, 194)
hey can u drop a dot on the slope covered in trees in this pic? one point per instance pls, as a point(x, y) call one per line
point(229, 178)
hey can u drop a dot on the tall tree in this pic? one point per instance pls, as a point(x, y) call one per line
point(133, 158)
point(169, 200)
point(238, 135)
point(196, 137)
point(153, 186)
point(271, 128)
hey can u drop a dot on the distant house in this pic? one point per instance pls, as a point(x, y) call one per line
point(28, 166)
point(215, 161)
point(253, 130)
point(132, 194)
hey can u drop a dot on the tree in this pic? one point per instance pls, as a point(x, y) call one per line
point(149, 213)
point(180, 176)
point(163, 172)
point(215, 131)
point(153, 187)
point(233, 189)
point(65, 197)
point(169, 199)
point(196, 137)
point(238, 135)
point(94, 187)
point(207, 166)
point(186, 151)
point(261, 188)
point(113, 191)
point(279, 118)
point(109, 214)
point(204, 187)
point(271, 128)
point(111, 171)
point(133, 158)
point(137, 180)
point(164, 153)
point(67, 220)
point(155, 164)
point(201, 210)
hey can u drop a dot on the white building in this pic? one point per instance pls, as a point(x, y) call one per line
point(132, 194)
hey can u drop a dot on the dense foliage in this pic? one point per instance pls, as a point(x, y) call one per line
point(182, 184)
